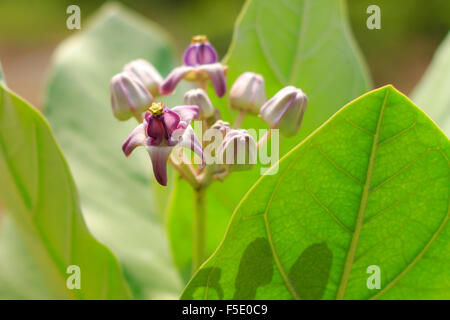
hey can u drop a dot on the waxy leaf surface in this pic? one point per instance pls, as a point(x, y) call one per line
point(38, 190)
point(368, 190)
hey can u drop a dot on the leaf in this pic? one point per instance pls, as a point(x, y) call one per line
point(123, 208)
point(303, 43)
point(430, 93)
point(37, 188)
point(369, 188)
point(20, 278)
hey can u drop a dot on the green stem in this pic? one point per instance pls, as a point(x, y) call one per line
point(239, 119)
point(199, 229)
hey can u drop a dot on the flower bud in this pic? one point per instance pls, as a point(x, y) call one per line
point(248, 93)
point(238, 150)
point(147, 74)
point(285, 110)
point(129, 97)
point(199, 52)
point(222, 126)
point(198, 97)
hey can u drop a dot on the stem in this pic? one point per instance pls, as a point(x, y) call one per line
point(265, 138)
point(199, 229)
point(239, 119)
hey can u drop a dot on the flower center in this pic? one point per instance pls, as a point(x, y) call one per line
point(200, 39)
point(156, 109)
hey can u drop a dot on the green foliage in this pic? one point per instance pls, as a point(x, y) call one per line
point(431, 93)
point(38, 190)
point(369, 187)
point(303, 43)
point(122, 207)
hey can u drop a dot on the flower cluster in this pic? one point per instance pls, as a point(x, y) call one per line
point(161, 129)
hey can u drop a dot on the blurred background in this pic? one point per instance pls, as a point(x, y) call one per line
point(399, 53)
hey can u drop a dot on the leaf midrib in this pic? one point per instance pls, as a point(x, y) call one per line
point(362, 207)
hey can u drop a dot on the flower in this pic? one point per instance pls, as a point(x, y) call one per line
point(129, 97)
point(238, 150)
point(198, 97)
point(199, 52)
point(248, 93)
point(200, 64)
point(162, 129)
point(285, 110)
point(146, 73)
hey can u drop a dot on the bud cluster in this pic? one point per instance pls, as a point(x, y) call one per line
point(161, 129)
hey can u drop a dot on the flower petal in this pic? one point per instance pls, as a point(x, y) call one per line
point(187, 114)
point(159, 156)
point(190, 141)
point(136, 138)
point(173, 78)
point(217, 75)
point(171, 119)
point(155, 128)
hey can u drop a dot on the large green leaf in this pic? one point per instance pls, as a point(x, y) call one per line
point(38, 190)
point(121, 205)
point(304, 43)
point(432, 93)
point(369, 187)
point(21, 277)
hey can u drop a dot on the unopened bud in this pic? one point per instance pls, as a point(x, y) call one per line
point(198, 97)
point(285, 110)
point(248, 93)
point(238, 150)
point(222, 126)
point(129, 97)
point(147, 74)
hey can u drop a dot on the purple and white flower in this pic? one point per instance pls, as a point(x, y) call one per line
point(200, 64)
point(162, 129)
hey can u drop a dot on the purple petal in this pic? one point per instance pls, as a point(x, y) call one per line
point(173, 78)
point(171, 120)
point(190, 56)
point(200, 53)
point(155, 128)
point(159, 156)
point(217, 75)
point(207, 54)
point(136, 138)
point(187, 114)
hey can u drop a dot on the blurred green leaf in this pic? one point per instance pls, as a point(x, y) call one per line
point(21, 277)
point(432, 93)
point(38, 190)
point(369, 187)
point(303, 43)
point(122, 207)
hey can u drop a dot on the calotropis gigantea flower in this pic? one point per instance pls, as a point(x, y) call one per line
point(129, 97)
point(198, 97)
point(238, 150)
point(285, 110)
point(200, 65)
point(147, 74)
point(248, 93)
point(162, 129)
